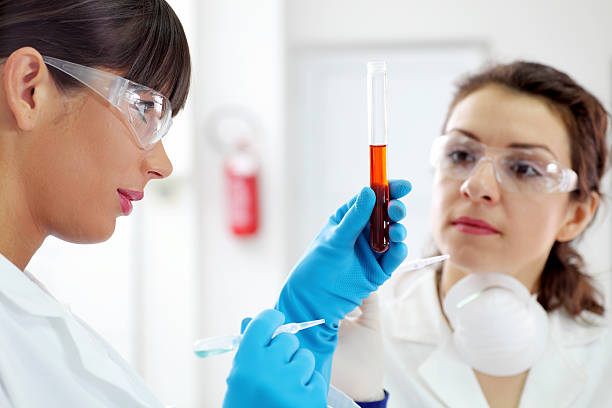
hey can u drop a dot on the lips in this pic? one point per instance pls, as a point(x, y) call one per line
point(126, 197)
point(474, 226)
point(132, 195)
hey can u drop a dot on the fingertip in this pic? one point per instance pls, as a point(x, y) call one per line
point(396, 210)
point(401, 251)
point(397, 232)
point(399, 188)
point(265, 323)
point(243, 325)
point(357, 217)
point(358, 200)
point(305, 358)
point(366, 198)
point(317, 382)
point(287, 342)
point(398, 251)
point(273, 316)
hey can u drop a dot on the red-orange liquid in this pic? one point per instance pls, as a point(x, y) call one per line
point(379, 221)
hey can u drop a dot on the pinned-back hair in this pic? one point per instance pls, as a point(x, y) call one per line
point(142, 39)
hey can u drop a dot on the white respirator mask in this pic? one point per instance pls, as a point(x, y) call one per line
point(499, 328)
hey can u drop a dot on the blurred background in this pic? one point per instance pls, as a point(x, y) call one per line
point(285, 81)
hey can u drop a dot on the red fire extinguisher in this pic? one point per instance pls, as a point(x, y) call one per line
point(232, 131)
point(241, 173)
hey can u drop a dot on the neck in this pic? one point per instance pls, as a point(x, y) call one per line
point(528, 275)
point(20, 237)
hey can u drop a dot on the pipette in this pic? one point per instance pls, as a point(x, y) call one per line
point(222, 344)
point(420, 263)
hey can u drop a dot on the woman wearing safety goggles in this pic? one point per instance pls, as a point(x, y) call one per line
point(88, 90)
point(512, 319)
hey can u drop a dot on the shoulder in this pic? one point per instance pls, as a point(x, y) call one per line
point(588, 328)
point(585, 340)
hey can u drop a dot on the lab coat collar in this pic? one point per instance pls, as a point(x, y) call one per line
point(452, 380)
point(92, 351)
point(24, 293)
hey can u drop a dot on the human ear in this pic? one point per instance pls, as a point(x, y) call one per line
point(26, 83)
point(579, 216)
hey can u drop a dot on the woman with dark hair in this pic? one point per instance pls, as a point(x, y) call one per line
point(88, 90)
point(512, 318)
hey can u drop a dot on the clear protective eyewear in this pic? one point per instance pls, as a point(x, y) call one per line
point(147, 111)
point(517, 169)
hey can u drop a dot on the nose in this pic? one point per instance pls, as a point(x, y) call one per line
point(156, 164)
point(482, 185)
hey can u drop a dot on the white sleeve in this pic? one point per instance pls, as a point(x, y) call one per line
point(338, 399)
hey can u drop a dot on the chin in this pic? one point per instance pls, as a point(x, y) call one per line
point(471, 256)
point(88, 234)
point(475, 261)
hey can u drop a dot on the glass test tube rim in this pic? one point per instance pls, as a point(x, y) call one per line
point(377, 106)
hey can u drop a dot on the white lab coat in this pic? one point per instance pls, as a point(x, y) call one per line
point(50, 358)
point(422, 368)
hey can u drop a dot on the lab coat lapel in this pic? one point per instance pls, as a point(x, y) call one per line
point(555, 381)
point(97, 360)
point(450, 379)
point(31, 298)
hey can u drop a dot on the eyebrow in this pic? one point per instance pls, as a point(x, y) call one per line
point(514, 145)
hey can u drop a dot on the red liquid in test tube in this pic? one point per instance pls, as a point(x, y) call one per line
point(379, 221)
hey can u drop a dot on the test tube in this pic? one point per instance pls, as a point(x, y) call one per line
point(377, 131)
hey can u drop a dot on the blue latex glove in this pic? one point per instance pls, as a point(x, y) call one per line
point(273, 373)
point(340, 269)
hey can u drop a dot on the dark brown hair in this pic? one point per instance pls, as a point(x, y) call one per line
point(143, 39)
point(563, 282)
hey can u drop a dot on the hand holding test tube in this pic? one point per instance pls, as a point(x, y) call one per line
point(222, 344)
point(361, 335)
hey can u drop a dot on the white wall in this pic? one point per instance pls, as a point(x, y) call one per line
point(240, 62)
point(570, 35)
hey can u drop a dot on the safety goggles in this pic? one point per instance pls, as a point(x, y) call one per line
point(517, 169)
point(148, 112)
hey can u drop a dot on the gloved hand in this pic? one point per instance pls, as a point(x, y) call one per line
point(340, 269)
point(273, 373)
point(358, 366)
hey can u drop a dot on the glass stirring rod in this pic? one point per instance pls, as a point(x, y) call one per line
point(222, 344)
